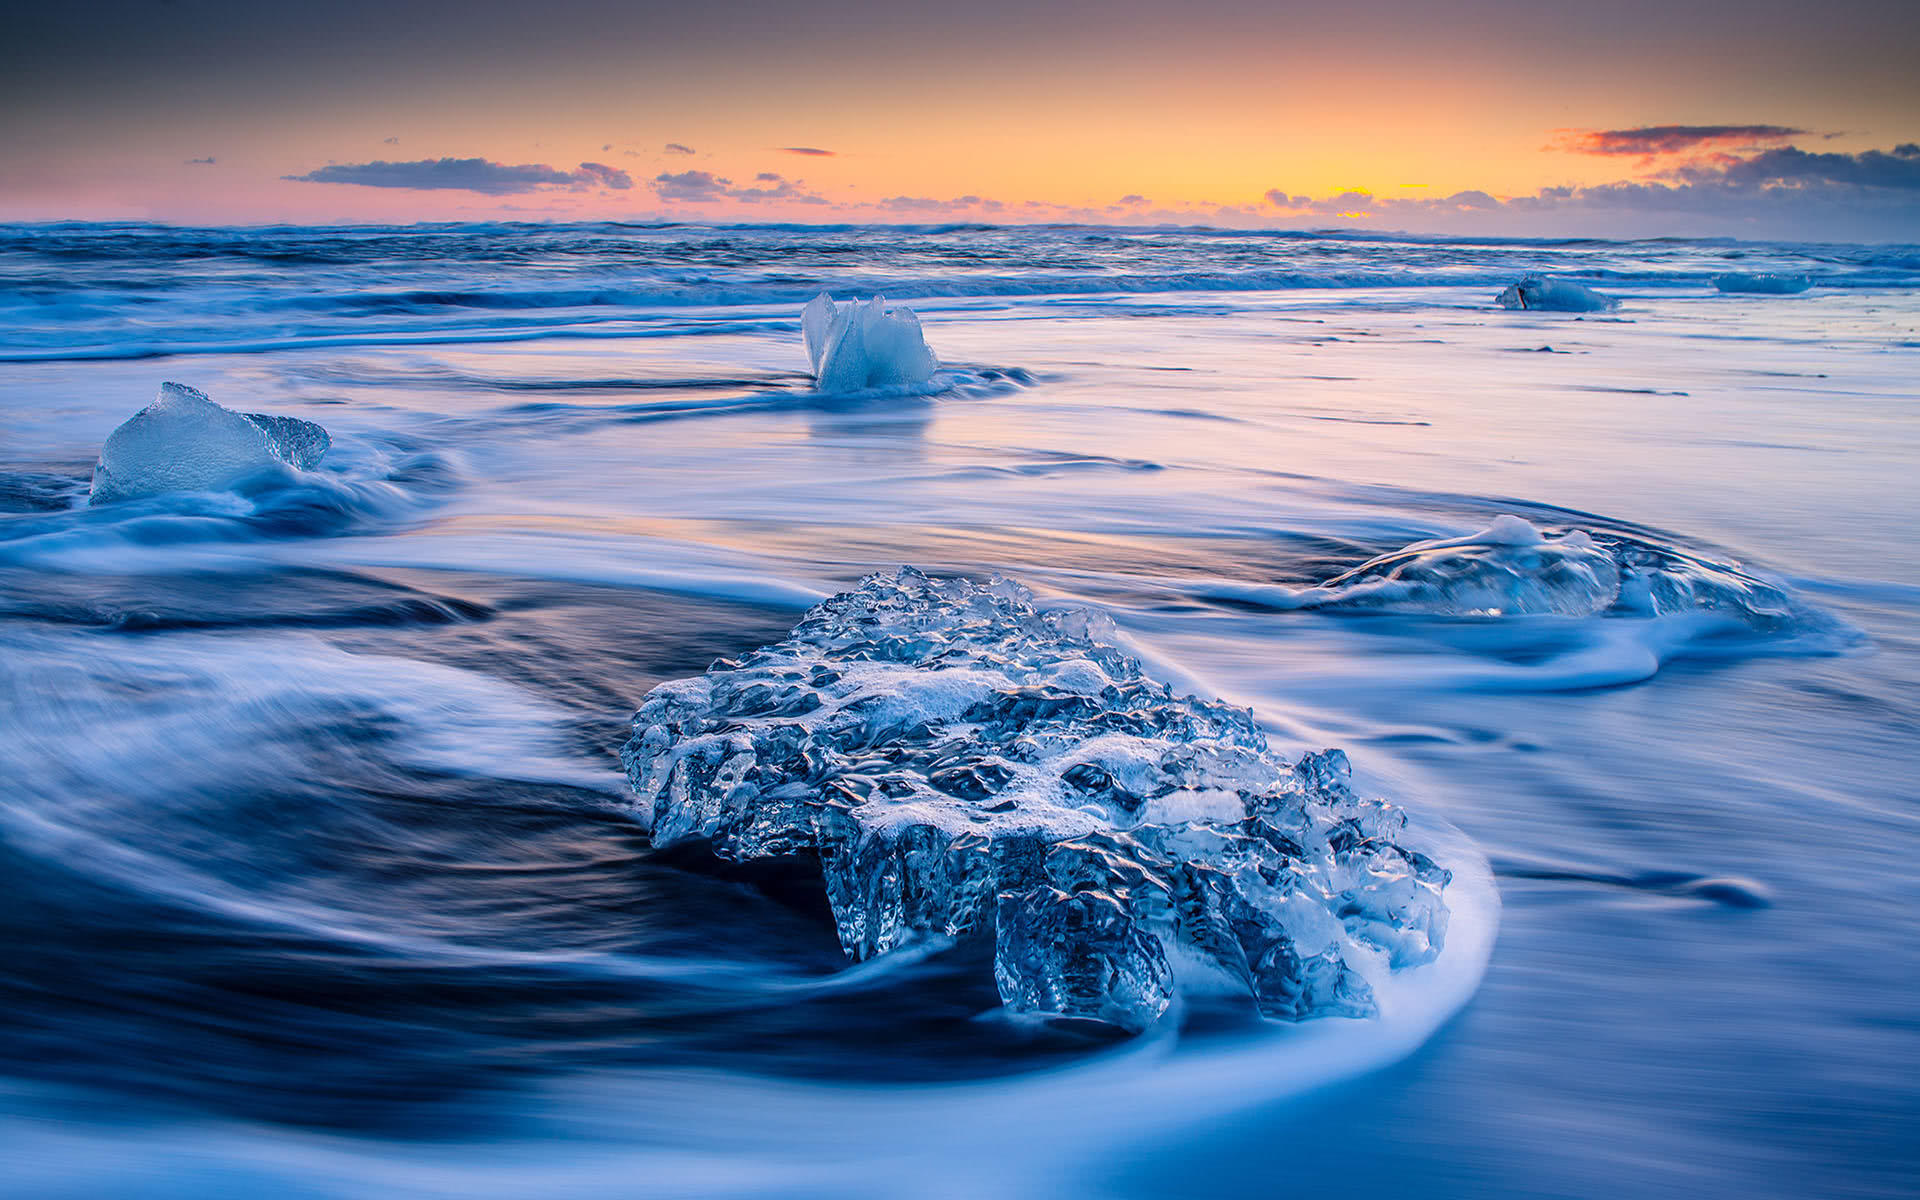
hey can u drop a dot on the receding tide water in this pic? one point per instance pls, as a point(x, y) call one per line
point(321, 873)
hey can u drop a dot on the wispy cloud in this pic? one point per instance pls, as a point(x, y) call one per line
point(605, 176)
point(676, 148)
point(809, 151)
point(704, 187)
point(958, 204)
point(201, 162)
point(1648, 141)
point(466, 174)
point(769, 186)
point(690, 187)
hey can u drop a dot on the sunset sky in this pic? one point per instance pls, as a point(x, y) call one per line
point(1767, 118)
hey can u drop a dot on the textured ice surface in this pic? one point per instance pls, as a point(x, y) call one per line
point(855, 346)
point(1768, 285)
point(184, 442)
point(964, 765)
point(1514, 568)
point(1554, 295)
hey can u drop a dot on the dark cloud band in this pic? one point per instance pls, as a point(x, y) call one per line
point(467, 175)
point(1650, 140)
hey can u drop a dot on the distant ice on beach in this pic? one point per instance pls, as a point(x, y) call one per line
point(856, 346)
point(1554, 295)
point(184, 442)
point(1762, 285)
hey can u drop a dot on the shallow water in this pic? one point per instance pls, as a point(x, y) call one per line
point(322, 875)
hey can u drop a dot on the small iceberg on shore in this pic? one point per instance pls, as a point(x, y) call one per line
point(1537, 293)
point(958, 765)
point(857, 346)
point(1737, 283)
point(184, 442)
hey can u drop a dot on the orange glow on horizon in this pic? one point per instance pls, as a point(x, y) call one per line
point(1190, 119)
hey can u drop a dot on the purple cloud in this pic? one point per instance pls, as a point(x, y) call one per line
point(957, 204)
point(465, 174)
point(809, 151)
point(704, 187)
point(1783, 192)
point(1649, 140)
point(776, 188)
point(1793, 167)
point(605, 176)
point(693, 187)
point(676, 148)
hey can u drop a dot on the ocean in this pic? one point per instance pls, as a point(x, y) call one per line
point(324, 878)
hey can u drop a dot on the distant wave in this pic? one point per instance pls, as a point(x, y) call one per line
point(72, 292)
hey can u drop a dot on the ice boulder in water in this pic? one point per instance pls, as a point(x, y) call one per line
point(1508, 568)
point(963, 765)
point(856, 346)
point(1554, 295)
point(184, 442)
point(1513, 568)
point(1762, 285)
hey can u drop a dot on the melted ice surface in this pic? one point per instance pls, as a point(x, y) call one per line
point(184, 442)
point(1554, 295)
point(856, 346)
point(965, 764)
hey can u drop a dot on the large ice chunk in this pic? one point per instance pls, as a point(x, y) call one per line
point(184, 442)
point(1554, 295)
point(962, 764)
point(856, 346)
point(1514, 568)
point(1762, 284)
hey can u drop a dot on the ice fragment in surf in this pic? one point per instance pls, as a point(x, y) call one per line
point(1554, 295)
point(1513, 568)
point(856, 346)
point(1508, 568)
point(1762, 285)
point(184, 442)
point(963, 765)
